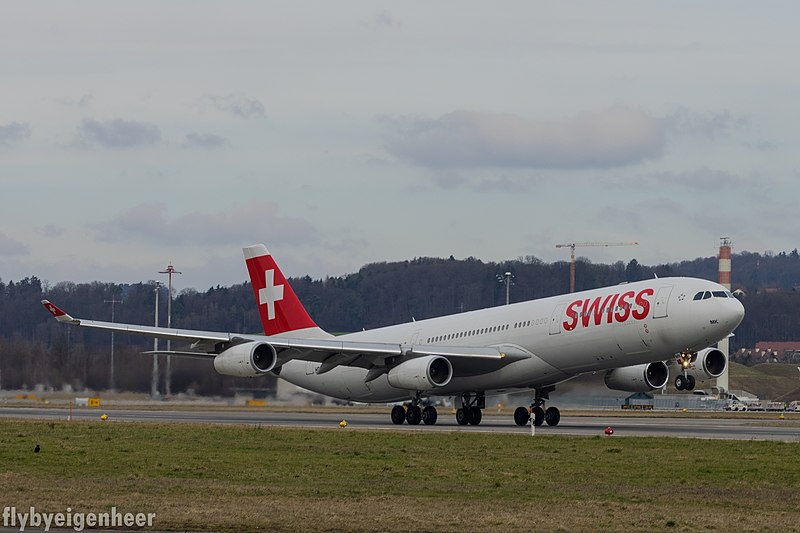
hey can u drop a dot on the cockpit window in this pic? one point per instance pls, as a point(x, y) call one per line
point(705, 295)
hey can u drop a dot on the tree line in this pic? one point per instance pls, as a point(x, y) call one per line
point(36, 349)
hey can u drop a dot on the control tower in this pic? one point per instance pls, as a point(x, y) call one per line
point(725, 281)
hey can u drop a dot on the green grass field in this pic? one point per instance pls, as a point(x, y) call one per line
point(235, 478)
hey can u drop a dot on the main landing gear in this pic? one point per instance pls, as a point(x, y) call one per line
point(685, 381)
point(540, 415)
point(470, 410)
point(468, 413)
point(414, 414)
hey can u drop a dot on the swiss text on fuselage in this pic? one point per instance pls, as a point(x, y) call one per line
point(617, 307)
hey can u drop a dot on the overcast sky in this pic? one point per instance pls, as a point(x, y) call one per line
point(342, 133)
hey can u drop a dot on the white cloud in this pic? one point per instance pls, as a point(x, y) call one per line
point(484, 184)
point(504, 184)
point(701, 179)
point(83, 102)
point(384, 19)
point(615, 137)
point(711, 124)
point(50, 230)
point(13, 132)
point(204, 141)
point(251, 222)
point(238, 105)
point(10, 246)
point(118, 133)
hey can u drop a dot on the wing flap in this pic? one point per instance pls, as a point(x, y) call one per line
point(469, 352)
point(384, 349)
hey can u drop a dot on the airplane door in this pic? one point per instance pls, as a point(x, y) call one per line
point(662, 299)
point(555, 319)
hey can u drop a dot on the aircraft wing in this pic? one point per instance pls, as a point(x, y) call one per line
point(330, 353)
point(197, 338)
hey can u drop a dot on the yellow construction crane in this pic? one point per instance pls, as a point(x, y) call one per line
point(574, 245)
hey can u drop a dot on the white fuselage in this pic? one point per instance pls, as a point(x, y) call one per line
point(567, 335)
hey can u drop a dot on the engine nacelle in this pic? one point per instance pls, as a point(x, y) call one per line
point(246, 360)
point(709, 363)
point(422, 373)
point(638, 378)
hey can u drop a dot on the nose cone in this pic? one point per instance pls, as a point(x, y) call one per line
point(735, 313)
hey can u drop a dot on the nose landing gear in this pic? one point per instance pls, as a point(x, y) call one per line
point(685, 381)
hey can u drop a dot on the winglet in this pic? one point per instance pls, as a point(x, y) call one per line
point(57, 313)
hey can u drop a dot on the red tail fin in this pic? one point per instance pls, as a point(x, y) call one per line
point(278, 305)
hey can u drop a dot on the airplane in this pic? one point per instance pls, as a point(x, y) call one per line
point(631, 331)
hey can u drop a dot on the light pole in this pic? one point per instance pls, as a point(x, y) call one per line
point(168, 370)
point(506, 278)
point(113, 301)
point(154, 382)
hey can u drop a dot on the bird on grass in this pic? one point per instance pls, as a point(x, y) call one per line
point(36, 448)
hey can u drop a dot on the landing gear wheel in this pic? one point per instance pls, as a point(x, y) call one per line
point(463, 416)
point(680, 382)
point(521, 416)
point(690, 382)
point(538, 416)
point(429, 415)
point(413, 415)
point(475, 416)
point(398, 414)
point(552, 416)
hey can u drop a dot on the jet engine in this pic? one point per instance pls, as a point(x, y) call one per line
point(422, 373)
point(709, 363)
point(638, 378)
point(246, 360)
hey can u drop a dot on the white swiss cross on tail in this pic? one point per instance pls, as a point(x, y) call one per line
point(270, 294)
point(59, 315)
point(270, 287)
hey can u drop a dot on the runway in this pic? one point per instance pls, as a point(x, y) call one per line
point(680, 426)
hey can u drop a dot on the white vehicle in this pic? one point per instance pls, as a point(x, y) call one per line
point(776, 406)
point(735, 406)
point(628, 331)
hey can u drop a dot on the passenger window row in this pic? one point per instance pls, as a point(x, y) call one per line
point(483, 331)
point(469, 333)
